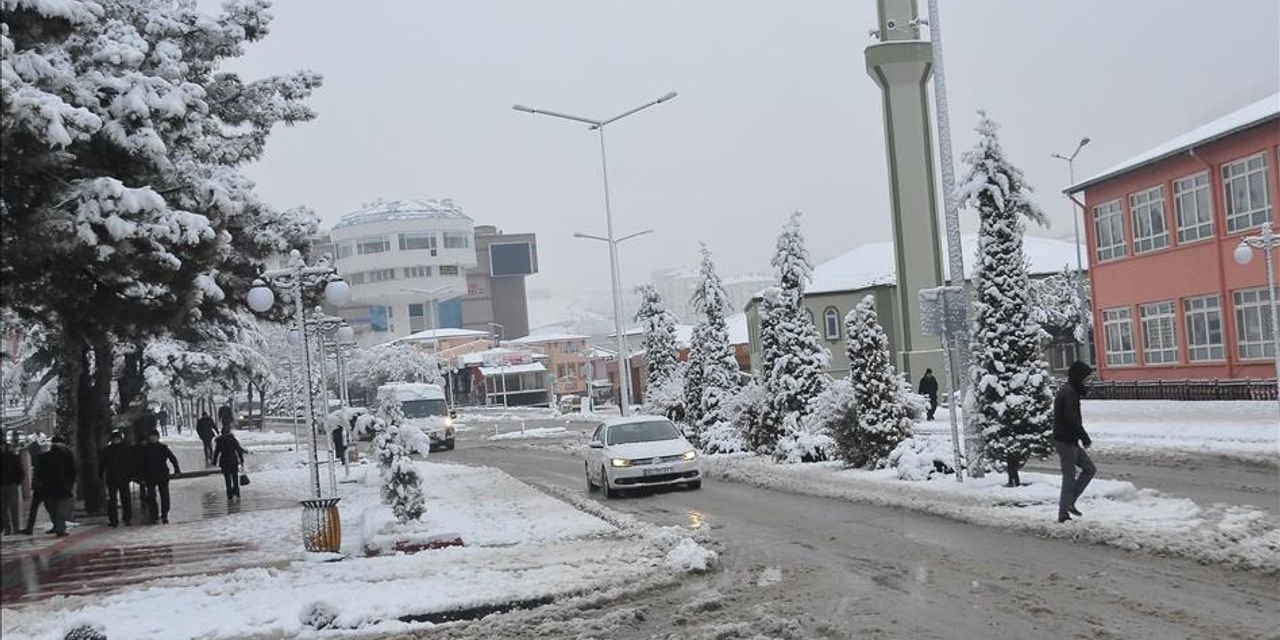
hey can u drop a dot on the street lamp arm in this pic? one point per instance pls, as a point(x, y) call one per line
point(587, 236)
point(634, 235)
point(556, 114)
point(642, 107)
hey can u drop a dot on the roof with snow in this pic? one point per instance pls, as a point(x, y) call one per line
point(510, 369)
point(873, 264)
point(543, 338)
point(432, 335)
point(410, 209)
point(1248, 116)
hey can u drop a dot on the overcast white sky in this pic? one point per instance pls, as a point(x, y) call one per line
point(776, 112)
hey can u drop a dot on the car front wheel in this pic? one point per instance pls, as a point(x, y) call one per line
point(591, 486)
point(695, 485)
point(609, 492)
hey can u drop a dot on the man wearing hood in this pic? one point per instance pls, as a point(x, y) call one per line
point(1070, 439)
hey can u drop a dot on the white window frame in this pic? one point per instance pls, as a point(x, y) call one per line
point(1118, 324)
point(420, 271)
point(1253, 311)
point(1159, 332)
point(1111, 215)
point(450, 270)
point(426, 239)
point(345, 249)
point(451, 240)
point(1062, 354)
point(366, 245)
point(1247, 215)
point(1200, 314)
point(382, 275)
point(1150, 226)
point(354, 278)
point(831, 323)
point(1193, 207)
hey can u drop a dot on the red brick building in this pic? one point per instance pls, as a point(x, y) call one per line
point(1169, 301)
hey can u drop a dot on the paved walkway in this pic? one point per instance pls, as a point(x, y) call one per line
point(96, 558)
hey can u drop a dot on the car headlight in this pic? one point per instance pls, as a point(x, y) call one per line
point(620, 462)
point(448, 422)
point(689, 455)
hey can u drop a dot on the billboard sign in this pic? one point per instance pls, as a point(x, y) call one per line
point(511, 259)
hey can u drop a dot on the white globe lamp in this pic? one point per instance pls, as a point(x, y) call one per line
point(345, 335)
point(261, 297)
point(337, 292)
point(1243, 254)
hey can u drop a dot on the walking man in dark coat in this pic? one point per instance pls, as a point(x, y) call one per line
point(1070, 439)
point(37, 496)
point(929, 389)
point(226, 416)
point(56, 469)
point(229, 456)
point(154, 466)
point(11, 477)
point(116, 470)
point(207, 430)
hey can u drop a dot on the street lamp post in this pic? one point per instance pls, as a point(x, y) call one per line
point(624, 372)
point(502, 363)
point(295, 278)
point(624, 358)
point(1267, 242)
point(1075, 223)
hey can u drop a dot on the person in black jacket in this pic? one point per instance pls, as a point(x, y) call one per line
point(229, 456)
point(1071, 440)
point(154, 460)
point(11, 477)
point(56, 469)
point(207, 430)
point(929, 389)
point(116, 469)
point(37, 497)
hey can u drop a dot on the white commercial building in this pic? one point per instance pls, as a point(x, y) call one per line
point(406, 261)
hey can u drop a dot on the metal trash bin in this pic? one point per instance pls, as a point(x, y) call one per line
point(321, 525)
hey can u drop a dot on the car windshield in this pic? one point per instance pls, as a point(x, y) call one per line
point(642, 432)
point(423, 408)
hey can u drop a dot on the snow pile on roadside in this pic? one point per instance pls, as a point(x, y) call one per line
point(688, 555)
point(541, 432)
point(1116, 513)
point(521, 546)
point(245, 436)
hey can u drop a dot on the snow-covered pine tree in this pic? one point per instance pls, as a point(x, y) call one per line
point(1058, 308)
point(401, 484)
point(661, 350)
point(712, 367)
point(798, 363)
point(884, 406)
point(1011, 399)
point(764, 434)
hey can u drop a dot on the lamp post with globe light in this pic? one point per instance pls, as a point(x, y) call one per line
point(1266, 241)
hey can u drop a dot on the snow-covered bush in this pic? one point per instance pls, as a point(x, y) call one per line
point(883, 407)
point(401, 484)
point(1011, 398)
point(667, 397)
point(318, 615)
point(803, 441)
point(86, 631)
point(922, 457)
point(747, 411)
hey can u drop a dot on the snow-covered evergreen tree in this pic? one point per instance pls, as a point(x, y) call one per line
point(661, 351)
point(401, 484)
point(884, 406)
point(1058, 308)
point(1011, 399)
point(797, 361)
point(371, 367)
point(712, 374)
point(763, 436)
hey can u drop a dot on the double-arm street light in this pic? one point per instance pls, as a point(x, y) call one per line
point(1075, 223)
point(624, 365)
point(1267, 242)
point(502, 364)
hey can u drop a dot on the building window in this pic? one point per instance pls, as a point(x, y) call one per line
point(1253, 324)
point(417, 240)
point(448, 269)
point(354, 278)
point(417, 317)
point(373, 244)
point(417, 272)
point(378, 316)
point(1108, 227)
point(1150, 232)
point(345, 249)
point(1117, 327)
point(831, 318)
point(1159, 337)
point(1245, 192)
point(457, 240)
point(382, 275)
point(1194, 209)
point(1203, 316)
point(1062, 354)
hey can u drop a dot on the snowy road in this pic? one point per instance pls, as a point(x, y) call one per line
point(849, 570)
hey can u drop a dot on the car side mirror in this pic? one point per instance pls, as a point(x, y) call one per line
point(596, 444)
point(453, 414)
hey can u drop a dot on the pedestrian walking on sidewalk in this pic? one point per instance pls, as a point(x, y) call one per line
point(229, 456)
point(226, 416)
point(929, 389)
point(33, 452)
point(155, 458)
point(207, 430)
point(1071, 440)
point(56, 470)
point(11, 477)
point(116, 469)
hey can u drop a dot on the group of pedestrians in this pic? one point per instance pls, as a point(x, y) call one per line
point(223, 451)
point(148, 465)
point(53, 478)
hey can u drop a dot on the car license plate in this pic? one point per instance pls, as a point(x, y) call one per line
point(657, 471)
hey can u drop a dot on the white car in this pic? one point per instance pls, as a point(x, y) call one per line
point(640, 451)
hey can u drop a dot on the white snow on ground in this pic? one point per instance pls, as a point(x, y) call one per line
point(542, 432)
point(520, 544)
point(1115, 513)
point(1243, 429)
point(246, 437)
